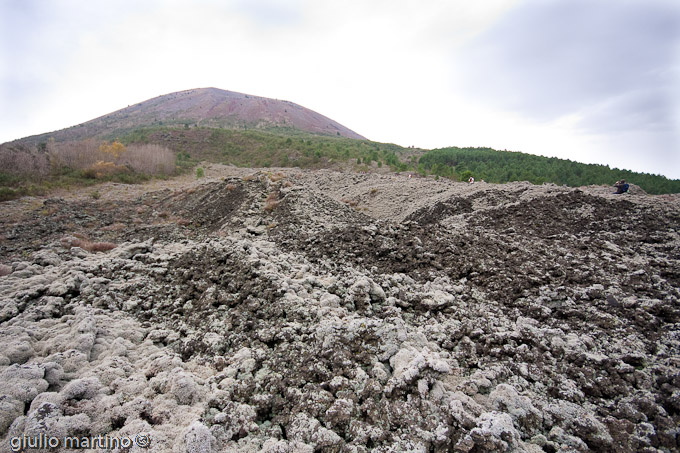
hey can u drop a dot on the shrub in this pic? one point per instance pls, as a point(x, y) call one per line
point(10, 194)
point(103, 169)
point(149, 159)
point(95, 157)
point(24, 161)
point(115, 149)
point(200, 172)
point(76, 155)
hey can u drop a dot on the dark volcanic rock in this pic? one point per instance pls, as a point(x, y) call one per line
point(267, 314)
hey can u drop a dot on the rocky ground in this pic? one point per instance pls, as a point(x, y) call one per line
point(293, 311)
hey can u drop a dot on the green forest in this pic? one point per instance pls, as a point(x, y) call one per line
point(505, 166)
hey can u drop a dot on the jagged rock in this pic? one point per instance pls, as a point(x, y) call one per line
point(23, 382)
point(46, 258)
point(10, 409)
point(496, 318)
point(80, 389)
point(197, 439)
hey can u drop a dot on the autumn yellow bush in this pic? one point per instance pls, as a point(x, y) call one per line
point(114, 149)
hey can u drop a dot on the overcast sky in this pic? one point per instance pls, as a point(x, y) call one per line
point(595, 81)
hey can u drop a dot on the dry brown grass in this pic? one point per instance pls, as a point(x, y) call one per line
point(287, 183)
point(86, 244)
point(250, 177)
point(98, 246)
point(276, 176)
point(272, 201)
point(114, 227)
point(350, 202)
point(183, 222)
point(230, 187)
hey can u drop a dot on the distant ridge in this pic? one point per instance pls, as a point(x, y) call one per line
point(208, 107)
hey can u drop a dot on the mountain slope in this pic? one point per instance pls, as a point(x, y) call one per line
point(209, 107)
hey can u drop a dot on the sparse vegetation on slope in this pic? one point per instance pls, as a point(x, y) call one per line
point(266, 149)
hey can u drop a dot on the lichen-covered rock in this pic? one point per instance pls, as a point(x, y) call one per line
point(237, 419)
point(197, 439)
point(10, 409)
point(46, 257)
point(409, 363)
point(17, 344)
point(308, 430)
point(23, 382)
point(494, 432)
point(506, 399)
point(48, 420)
point(437, 317)
point(8, 309)
point(183, 387)
point(80, 389)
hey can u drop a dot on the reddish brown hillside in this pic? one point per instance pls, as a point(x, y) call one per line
point(210, 107)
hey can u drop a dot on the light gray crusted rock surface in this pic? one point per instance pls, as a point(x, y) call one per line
point(452, 318)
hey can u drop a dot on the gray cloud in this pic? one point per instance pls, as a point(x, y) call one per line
point(612, 60)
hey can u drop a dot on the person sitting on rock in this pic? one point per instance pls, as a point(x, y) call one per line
point(471, 180)
point(621, 186)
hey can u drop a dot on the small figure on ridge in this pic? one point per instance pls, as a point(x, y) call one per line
point(621, 186)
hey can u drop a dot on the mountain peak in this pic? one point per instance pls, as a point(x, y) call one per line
point(207, 107)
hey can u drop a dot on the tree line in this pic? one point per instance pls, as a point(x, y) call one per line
point(505, 166)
